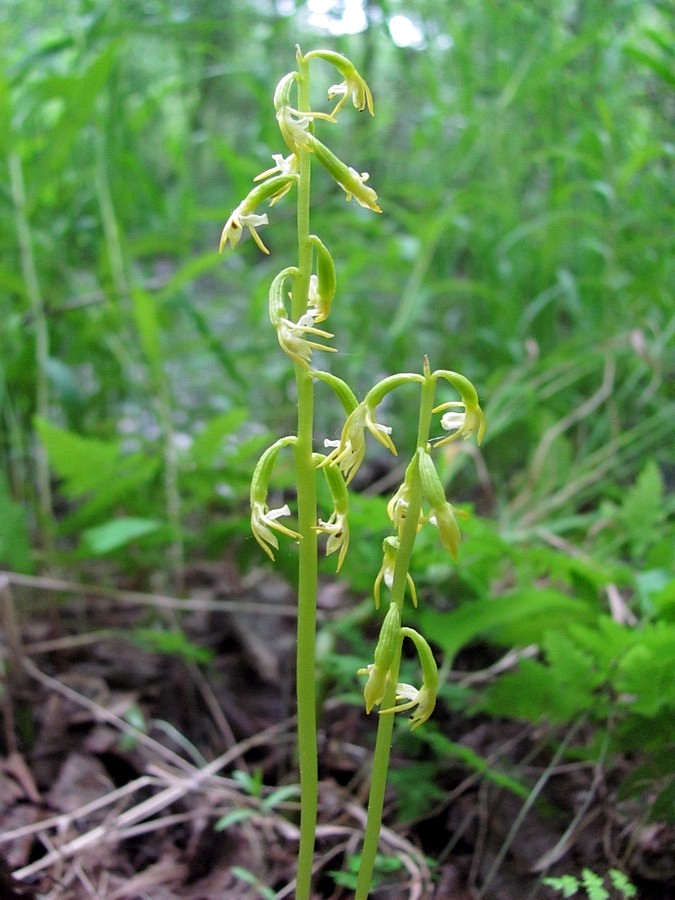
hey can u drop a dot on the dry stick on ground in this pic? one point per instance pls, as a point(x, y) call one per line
point(193, 781)
point(160, 601)
point(136, 598)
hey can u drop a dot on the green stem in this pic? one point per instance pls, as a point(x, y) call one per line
point(37, 308)
point(385, 725)
point(307, 517)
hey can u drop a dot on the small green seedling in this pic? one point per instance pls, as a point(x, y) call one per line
point(592, 885)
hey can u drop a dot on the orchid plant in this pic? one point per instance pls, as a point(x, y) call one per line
point(420, 499)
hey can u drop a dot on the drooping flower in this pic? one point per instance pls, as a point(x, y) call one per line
point(357, 89)
point(353, 85)
point(244, 216)
point(424, 698)
point(386, 574)
point(292, 339)
point(465, 417)
point(337, 526)
point(349, 451)
point(235, 225)
point(351, 448)
point(443, 514)
point(337, 529)
point(444, 518)
point(263, 520)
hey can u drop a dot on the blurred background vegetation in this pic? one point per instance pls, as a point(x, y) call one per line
point(523, 157)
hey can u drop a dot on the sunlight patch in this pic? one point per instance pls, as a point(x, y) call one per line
point(346, 17)
point(406, 33)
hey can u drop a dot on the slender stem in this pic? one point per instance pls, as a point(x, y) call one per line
point(385, 725)
point(307, 517)
point(37, 307)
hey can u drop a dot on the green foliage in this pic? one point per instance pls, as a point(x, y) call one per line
point(592, 884)
point(158, 640)
point(15, 549)
point(384, 866)
point(528, 234)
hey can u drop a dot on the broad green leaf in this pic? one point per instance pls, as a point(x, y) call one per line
point(117, 533)
point(82, 462)
point(519, 618)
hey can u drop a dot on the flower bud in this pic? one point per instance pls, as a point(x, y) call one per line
point(349, 179)
point(386, 653)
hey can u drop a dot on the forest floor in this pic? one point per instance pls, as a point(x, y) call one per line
point(118, 761)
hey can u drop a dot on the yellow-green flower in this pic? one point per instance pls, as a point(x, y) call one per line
point(337, 529)
point(263, 520)
point(353, 85)
point(464, 417)
point(291, 336)
point(387, 652)
point(235, 225)
point(351, 182)
point(351, 448)
point(386, 574)
point(244, 216)
point(424, 698)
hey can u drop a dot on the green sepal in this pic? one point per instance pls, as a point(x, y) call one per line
point(264, 466)
point(282, 92)
point(389, 641)
point(326, 279)
point(379, 391)
point(337, 487)
point(272, 187)
point(340, 388)
point(277, 307)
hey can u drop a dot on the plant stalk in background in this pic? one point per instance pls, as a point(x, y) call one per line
point(419, 500)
